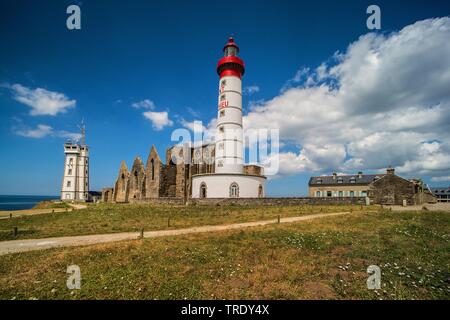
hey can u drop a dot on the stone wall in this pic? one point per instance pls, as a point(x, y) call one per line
point(279, 201)
point(153, 174)
point(392, 190)
point(136, 184)
point(121, 186)
point(253, 170)
point(107, 194)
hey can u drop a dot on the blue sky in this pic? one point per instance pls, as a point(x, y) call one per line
point(166, 52)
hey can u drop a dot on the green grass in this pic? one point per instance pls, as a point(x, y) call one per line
point(113, 218)
point(52, 205)
point(321, 259)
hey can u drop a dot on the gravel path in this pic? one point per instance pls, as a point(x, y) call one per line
point(15, 246)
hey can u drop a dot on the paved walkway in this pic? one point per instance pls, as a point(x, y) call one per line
point(39, 244)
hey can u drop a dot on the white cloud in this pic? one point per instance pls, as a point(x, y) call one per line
point(205, 133)
point(144, 104)
point(250, 90)
point(384, 101)
point(441, 179)
point(159, 119)
point(42, 131)
point(42, 101)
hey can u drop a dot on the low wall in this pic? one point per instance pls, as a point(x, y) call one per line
point(172, 201)
point(279, 201)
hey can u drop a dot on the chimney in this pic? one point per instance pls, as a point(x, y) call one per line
point(390, 170)
point(334, 175)
point(360, 175)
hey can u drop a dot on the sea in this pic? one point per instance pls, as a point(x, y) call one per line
point(21, 202)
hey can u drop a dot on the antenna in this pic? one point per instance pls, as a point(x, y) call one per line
point(83, 132)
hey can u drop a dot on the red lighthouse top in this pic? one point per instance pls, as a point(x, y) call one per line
point(231, 64)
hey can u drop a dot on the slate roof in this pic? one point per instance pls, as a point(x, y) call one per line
point(440, 191)
point(365, 179)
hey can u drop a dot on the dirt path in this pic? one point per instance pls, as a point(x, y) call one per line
point(429, 206)
point(39, 244)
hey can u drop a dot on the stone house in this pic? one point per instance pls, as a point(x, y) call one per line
point(386, 189)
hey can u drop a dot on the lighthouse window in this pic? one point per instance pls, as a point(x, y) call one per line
point(70, 172)
point(69, 184)
point(230, 51)
point(222, 97)
point(223, 83)
point(234, 190)
point(222, 113)
point(221, 129)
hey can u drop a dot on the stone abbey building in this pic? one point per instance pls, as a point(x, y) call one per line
point(156, 179)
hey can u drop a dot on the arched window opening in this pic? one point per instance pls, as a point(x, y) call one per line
point(234, 190)
point(136, 182)
point(260, 191)
point(203, 190)
point(153, 169)
point(123, 182)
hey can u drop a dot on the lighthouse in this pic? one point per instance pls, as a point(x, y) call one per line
point(75, 184)
point(229, 136)
point(231, 177)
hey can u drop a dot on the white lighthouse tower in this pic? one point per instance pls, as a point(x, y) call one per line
point(230, 179)
point(75, 184)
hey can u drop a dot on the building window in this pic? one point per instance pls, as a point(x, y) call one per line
point(223, 83)
point(70, 172)
point(318, 194)
point(71, 161)
point(260, 191)
point(329, 194)
point(340, 180)
point(222, 97)
point(319, 181)
point(363, 193)
point(222, 113)
point(352, 194)
point(69, 183)
point(341, 194)
point(352, 180)
point(221, 129)
point(67, 195)
point(220, 163)
point(203, 190)
point(234, 190)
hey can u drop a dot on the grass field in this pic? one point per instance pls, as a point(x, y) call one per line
point(112, 218)
point(318, 259)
